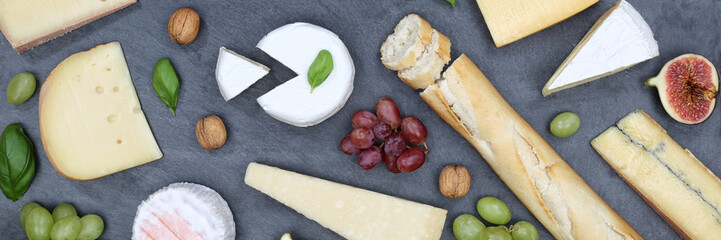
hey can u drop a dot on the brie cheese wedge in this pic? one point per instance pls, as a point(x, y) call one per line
point(235, 73)
point(619, 40)
point(296, 45)
point(184, 211)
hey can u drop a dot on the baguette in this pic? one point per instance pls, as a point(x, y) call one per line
point(558, 197)
point(429, 66)
point(403, 48)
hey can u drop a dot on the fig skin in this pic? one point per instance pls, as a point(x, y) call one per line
point(695, 103)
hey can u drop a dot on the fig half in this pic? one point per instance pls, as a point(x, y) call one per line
point(687, 86)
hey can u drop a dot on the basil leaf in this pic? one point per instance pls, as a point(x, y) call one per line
point(165, 84)
point(17, 162)
point(320, 69)
point(453, 2)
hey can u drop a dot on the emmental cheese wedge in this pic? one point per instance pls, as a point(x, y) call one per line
point(351, 212)
point(91, 121)
point(558, 197)
point(511, 20)
point(676, 184)
point(29, 23)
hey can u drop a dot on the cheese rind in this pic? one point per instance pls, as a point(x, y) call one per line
point(296, 45)
point(620, 39)
point(511, 20)
point(235, 73)
point(29, 23)
point(91, 121)
point(676, 184)
point(351, 212)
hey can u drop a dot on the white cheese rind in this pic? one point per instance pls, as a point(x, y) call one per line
point(184, 211)
point(618, 40)
point(296, 45)
point(235, 73)
point(91, 120)
point(351, 212)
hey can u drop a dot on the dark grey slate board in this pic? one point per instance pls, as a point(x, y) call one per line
point(518, 71)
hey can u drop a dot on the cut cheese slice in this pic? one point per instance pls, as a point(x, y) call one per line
point(184, 211)
point(90, 117)
point(235, 73)
point(296, 45)
point(510, 20)
point(29, 23)
point(351, 212)
point(618, 40)
point(676, 184)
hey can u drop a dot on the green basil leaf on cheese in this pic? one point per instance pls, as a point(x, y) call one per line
point(320, 69)
point(17, 162)
point(453, 2)
point(166, 84)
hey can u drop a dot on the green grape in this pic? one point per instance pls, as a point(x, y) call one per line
point(21, 87)
point(286, 236)
point(524, 231)
point(38, 224)
point(494, 210)
point(25, 211)
point(92, 227)
point(67, 228)
point(64, 210)
point(467, 227)
point(495, 233)
point(565, 124)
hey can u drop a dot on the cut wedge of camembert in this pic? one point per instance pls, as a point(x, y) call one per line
point(296, 45)
point(184, 211)
point(618, 40)
point(235, 73)
point(91, 121)
point(351, 212)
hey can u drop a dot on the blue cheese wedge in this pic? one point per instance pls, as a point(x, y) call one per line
point(676, 184)
point(351, 212)
point(235, 73)
point(619, 40)
point(296, 45)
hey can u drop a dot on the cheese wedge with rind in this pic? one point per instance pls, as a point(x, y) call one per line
point(670, 178)
point(620, 39)
point(235, 73)
point(91, 121)
point(351, 212)
point(29, 23)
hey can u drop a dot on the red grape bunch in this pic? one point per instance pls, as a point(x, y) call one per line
point(393, 143)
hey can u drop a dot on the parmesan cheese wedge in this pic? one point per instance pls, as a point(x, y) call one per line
point(91, 121)
point(676, 184)
point(351, 212)
point(29, 23)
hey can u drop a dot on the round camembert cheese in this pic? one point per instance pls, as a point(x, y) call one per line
point(184, 211)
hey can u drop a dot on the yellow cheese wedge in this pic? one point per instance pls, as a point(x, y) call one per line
point(676, 184)
point(91, 122)
point(28, 23)
point(510, 20)
point(351, 212)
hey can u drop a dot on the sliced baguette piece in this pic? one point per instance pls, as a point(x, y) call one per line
point(429, 66)
point(402, 48)
point(670, 178)
point(558, 197)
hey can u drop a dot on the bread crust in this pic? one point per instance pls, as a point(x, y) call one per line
point(24, 46)
point(441, 55)
point(506, 141)
point(409, 59)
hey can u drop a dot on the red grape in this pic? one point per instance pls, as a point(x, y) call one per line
point(362, 137)
point(411, 160)
point(414, 130)
point(391, 163)
point(395, 144)
point(382, 130)
point(387, 110)
point(370, 158)
point(346, 145)
point(363, 118)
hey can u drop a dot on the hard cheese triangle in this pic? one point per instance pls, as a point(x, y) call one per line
point(91, 121)
point(618, 40)
point(351, 212)
point(510, 20)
